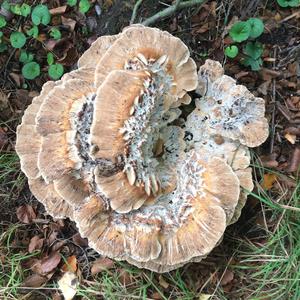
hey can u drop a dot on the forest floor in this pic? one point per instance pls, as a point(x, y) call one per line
point(259, 257)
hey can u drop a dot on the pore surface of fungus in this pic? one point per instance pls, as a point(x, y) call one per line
point(118, 147)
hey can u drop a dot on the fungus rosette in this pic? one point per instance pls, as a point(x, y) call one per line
point(117, 147)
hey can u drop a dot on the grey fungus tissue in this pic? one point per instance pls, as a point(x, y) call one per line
point(149, 175)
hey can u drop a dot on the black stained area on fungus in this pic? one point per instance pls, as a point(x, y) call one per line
point(85, 118)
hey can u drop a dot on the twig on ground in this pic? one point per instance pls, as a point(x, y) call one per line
point(134, 12)
point(171, 10)
point(273, 129)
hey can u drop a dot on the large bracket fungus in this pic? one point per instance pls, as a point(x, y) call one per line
point(112, 147)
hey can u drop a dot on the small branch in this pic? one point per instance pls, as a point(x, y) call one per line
point(171, 10)
point(135, 9)
point(176, 4)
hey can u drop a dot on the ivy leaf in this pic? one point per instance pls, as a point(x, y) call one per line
point(231, 51)
point(84, 6)
point(255, 64)
point(34, 31)
point(253, 49)
point(240, 31)
point(2, 22)
point(50, 58)
point(17, 39)
point(25, 10)
point(40, 15)
point(256, 27)
point(72, 2)
point(55, 71)
point(31, 70)
point(55, 33)
point(288, 3)
point(25, 57)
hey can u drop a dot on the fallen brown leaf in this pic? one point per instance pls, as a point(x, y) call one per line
point(264, 87)
point(295, 161)
point(268, 181)
point(70, 57)
point(58, 10)
point(70, 265)
point(293, 130)
point(268, 74)
point(26, 214)
point(291, 138)
point(156, 296)
point(163, 282)
point(80, 241)
point(125, 278)
point(68, 22)
point(269, 161)
point(18, 78)
point(36, 243)
point(34, 280)
point(50, 262)
point(101, 264)
point(58, 245)
point(56, 296)
point(227, 277)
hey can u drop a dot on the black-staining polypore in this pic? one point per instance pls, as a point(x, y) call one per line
point(113, 147)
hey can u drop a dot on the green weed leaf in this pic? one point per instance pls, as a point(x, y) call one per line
point(231, 51)
point(2, 22)
point(40, 15)
point(256, 27)
point(56, 71)
point(84, 6)
point(253, 49)
point(34, 31)
point(25, 10)
point(25, 57)
point(255, 64)
point(16, 9)
point(17, 39)
point(21, 10)
point(240, 31)
point(288, 3)
point(31, 70)
point(50, 58)
point(55, 33)
point(72, 2)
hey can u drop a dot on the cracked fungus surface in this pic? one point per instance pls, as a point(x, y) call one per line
point(148, 174)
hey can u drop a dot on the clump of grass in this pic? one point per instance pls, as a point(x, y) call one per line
point(269, 263)
point(143, 284)
point(12, 179)
point(12, 271)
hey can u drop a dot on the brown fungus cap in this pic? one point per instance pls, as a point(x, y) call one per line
point(109, 149)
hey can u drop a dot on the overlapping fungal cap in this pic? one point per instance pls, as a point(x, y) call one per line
point(111, 146)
